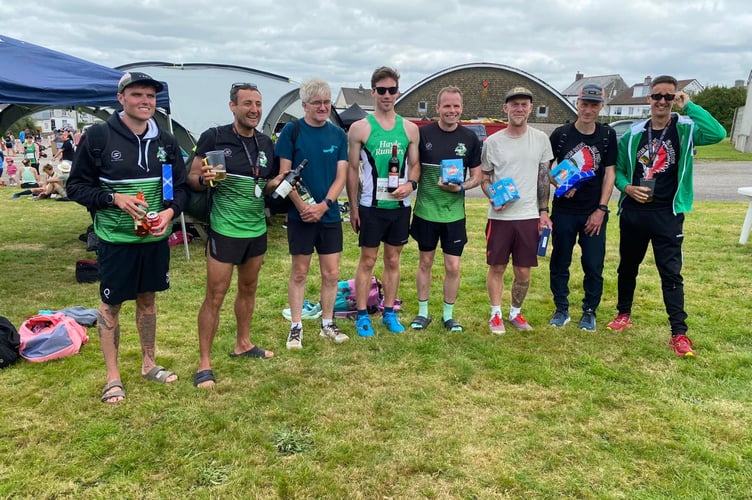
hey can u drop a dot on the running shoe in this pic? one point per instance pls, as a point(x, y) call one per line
point(681, 345)
point(587, 322)
point(559, 319)
point(364, 327)
point(620, 323)
point(392, 323)
point(295, 338)
point(332, 331)
point(496, 324)
point(520, 323)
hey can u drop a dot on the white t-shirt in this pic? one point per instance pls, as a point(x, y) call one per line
point(518, 158)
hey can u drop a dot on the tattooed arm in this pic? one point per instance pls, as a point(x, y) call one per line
point(544, 191)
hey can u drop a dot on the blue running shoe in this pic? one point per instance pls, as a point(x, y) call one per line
point(392, 323)
point(587, 322)
point(363, 326)
point(559, 319)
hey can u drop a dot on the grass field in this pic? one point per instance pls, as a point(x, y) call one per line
point(541, 414)
point(723, 151)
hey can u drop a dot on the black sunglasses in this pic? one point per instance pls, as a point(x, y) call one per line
point(244, 86)
point(384, 90)
point(658, 97)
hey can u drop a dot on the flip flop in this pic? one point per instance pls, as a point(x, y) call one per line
point(203, 376)
point(420, 323)
point(159, 374)
point(453, 325)
point(107, 396)
point(253, 352)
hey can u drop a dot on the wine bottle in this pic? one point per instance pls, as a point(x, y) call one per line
point(305, 194)
point(289, 181)
point(392, 180)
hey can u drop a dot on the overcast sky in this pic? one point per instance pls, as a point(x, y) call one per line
point(344, 41)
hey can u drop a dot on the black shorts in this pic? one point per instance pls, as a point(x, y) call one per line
point(453, 235)
point(128, 270)
point(235, 251)
point(325, 237)
point(392, 226)
point(518, 238)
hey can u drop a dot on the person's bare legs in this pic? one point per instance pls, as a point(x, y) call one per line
point(108, 327)
point(245, 302)
point(296, 285)
point(391, 276)
point(218, 277)
point(146, 324)
point(329, 266)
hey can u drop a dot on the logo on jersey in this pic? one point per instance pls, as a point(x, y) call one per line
point(262, 159)
point(665, 156)
point(116, 155)
point(461, 149)
point(161, 154)
point(587, 158)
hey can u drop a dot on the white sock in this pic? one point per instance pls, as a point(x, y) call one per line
point(298, 324)
point(326, 322)
point(495, 310)
point(514, 311)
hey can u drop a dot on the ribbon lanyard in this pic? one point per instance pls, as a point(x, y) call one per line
point(653, 151)
point(253, 165)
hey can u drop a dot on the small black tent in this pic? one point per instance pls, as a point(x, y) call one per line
point(351, 115)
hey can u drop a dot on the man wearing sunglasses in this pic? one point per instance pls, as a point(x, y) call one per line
point(375, 213)
point(654, 175)
point(316, 223)
point(237, 224)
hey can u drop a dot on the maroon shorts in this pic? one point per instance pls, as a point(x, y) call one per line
point(518, 238)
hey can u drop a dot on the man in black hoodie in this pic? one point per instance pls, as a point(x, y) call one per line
point(117, 174)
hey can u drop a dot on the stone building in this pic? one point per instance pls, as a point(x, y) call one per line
point(483, 87)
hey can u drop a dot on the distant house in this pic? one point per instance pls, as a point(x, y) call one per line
point(633, 102)
point(613, 85)
point(349, 96)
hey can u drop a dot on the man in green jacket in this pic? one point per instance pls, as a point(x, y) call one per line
point(654, 175)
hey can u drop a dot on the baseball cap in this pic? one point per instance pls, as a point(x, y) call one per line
point(518, 92)
point(592, 92)
point(135, 77)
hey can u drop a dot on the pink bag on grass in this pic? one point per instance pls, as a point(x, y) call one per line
point(50, 336)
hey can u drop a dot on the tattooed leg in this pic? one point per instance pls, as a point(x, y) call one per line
point(108, 328)
point(519, 292)
point(146, 323)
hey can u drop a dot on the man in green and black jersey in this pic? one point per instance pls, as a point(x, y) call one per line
point(440, 207)
point(107, 176)
point(237, 224)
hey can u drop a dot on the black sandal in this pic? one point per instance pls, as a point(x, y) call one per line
point(453, 325)
point(420, 323)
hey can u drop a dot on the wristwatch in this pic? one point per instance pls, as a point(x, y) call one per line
point(414, 184)
point(329, 202)
point(542, 210)
point(604, 208)
point(110, 199)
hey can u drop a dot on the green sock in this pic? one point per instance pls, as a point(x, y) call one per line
point(448, 311)
point(423, 308)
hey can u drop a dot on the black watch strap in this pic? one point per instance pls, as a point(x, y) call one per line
point(604, 208)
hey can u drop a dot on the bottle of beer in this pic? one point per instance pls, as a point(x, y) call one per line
point(140, 226)
point(392, 180)
point(289, 181)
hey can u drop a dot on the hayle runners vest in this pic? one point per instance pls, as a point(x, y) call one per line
point(375, 156)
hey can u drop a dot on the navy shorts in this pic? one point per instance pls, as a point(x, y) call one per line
point(128, 270)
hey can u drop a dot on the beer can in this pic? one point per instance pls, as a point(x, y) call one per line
point(152, 220)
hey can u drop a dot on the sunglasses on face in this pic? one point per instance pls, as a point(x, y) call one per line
point(658, 97)
point(244, 86)
point(384, 90)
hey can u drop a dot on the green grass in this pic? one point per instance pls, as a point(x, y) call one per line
point(723, 151)
point(543, 414)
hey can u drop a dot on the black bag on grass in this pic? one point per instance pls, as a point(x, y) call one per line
point(87, 271)
point(9, 342)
